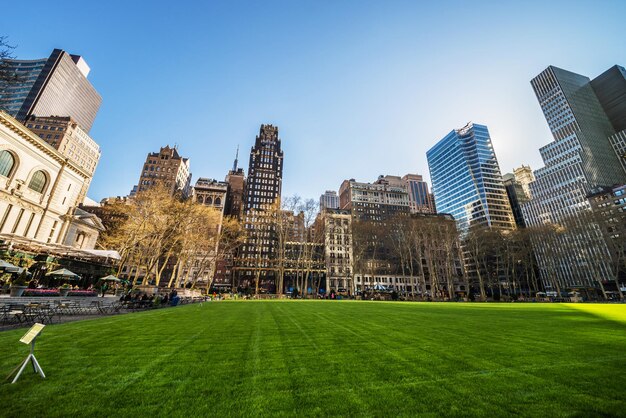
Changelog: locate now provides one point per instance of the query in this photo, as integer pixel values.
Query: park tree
(8, 77)
(155, 229)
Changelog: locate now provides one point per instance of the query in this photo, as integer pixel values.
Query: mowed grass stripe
(328, 358)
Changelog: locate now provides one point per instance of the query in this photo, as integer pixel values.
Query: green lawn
(327, 358)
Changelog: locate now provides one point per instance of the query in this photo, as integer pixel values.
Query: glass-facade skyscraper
(53, 86)
(466, 179)
(582, 115)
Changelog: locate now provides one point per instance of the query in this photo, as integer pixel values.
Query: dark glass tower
(53, 86)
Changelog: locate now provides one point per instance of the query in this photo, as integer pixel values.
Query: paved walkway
(57, 319)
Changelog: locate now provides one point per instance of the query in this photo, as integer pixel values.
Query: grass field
(327, 358)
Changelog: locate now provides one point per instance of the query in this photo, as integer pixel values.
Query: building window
(7, 161)
(38, 182)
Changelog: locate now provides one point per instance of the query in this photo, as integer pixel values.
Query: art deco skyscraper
(265, 172)
(53, 86)
(263, 188)
(466, 179)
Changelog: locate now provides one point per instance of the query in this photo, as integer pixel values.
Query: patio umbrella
(111, 278)
(8, 267)
(65, 273)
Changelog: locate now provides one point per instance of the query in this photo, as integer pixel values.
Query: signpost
(29, 338)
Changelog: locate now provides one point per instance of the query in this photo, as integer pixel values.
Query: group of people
(152, 300)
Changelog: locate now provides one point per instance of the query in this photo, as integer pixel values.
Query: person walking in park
(104, 289)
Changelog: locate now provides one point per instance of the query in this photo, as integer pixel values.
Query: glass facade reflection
(466, 179)
(53, 86)
(582, 116)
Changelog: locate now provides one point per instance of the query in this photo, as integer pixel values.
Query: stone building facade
(64, 134)
(166, 168)
(337, 224)
(40, 190)
(263, 191)
(376, 201)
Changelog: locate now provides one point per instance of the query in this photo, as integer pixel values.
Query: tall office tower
(53, 86)
(466, 179)
(582, 115)
(64, 134)
(236, 181)
(420, 200)
(517, 196)
(376, 201)
(265, 172)
(610, 88)
(263, 187)
(166, 168)
(329, 200)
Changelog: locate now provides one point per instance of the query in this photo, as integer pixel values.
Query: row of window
(38, 181)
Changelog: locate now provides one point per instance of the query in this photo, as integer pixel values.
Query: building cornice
(17, 127)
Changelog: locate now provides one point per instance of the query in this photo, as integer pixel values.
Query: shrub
(41, 292)
(83, 293)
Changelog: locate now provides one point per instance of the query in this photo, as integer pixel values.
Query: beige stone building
(64, 134)
(338, 246)
(40, 190)
(168, 168)
(524, 176)
(210, 192)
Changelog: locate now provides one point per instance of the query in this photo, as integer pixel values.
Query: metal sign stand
(30, 337)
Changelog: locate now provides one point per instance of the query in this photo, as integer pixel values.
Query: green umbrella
(111, 278)
(65, 273)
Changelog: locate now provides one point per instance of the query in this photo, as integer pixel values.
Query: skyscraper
(610, 88)
(420, 200)
(329, 200)
(53, 86)
(582, 115)
(466, 179)
(262, 196)
(236, 181)
(265, 172)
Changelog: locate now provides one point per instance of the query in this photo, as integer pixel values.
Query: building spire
(236, 158)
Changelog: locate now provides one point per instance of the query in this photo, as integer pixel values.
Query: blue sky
(357, 88)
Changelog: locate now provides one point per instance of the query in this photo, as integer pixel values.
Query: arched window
(209, 200)
(218, 201)
(200, 199)
(38, 182)
(7, 161)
